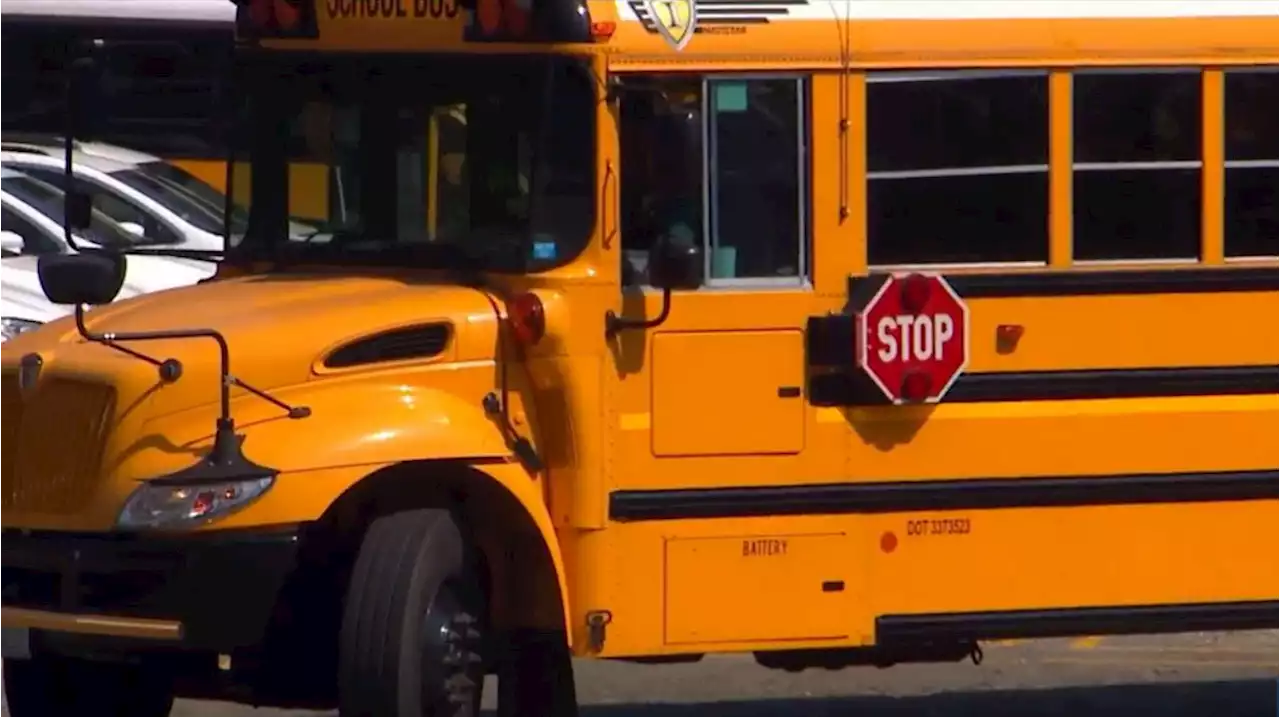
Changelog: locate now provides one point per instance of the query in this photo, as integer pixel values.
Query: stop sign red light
(912, 338)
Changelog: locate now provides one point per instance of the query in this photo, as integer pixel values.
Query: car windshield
(191, 209)
(487, 162)
(49, 201)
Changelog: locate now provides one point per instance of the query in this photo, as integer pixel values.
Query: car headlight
(177, 506)
(11, 326)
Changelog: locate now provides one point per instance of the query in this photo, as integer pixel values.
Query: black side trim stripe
(1093, 283)
(1115, 383)
(961, 494)
(1026, 624)
(848, 389)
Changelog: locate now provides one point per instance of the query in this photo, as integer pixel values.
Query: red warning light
(916, 386)
(528, 320)
(915, 292)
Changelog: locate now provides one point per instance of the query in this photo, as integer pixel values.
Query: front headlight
(179, 506)
(11, 326)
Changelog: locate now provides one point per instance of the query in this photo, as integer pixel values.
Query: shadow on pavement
(1236, 698)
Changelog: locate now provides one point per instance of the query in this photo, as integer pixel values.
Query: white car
(28, 229)
(169, 205)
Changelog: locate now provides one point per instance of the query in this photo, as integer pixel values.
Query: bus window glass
(1252, 162)
(751, 167)
(957, 167)
(1136, 164)
(492, 166)
(662, 167)
(757, 170)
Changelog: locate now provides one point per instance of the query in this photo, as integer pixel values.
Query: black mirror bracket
(170, 369)
(615, 324)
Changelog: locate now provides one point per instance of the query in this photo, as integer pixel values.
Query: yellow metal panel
(1074, 557)
(757, 587)
(719, 393)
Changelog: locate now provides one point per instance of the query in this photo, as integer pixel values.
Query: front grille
(53, 440)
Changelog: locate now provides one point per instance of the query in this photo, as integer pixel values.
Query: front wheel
(53, 686)
(413, 633)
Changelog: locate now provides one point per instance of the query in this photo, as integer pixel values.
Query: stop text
(906, 338)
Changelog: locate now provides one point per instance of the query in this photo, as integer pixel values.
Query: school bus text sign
(912, 338)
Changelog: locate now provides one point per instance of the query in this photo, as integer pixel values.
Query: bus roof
(729, 34)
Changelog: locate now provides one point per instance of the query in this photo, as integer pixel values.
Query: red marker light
(915, 293)
(489, 15)
(275, 15)
(916, 386)
(528, 320)
(603, 31)
(287, 14)
(261, 13)
(516, 14)
(888, 542)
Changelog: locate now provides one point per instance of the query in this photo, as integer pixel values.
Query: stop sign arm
(901, 339)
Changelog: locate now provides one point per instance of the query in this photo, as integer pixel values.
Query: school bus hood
(278, 329)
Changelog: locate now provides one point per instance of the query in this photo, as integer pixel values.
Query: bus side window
(751, 169)
(957, 167)
(662, 168)
(758, 164)
(1252, 162)
(1137, 164)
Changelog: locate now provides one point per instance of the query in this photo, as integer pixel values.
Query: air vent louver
(411, 342)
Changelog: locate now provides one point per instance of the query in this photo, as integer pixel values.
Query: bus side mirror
(671, 266)
(674, 266)
(89, 276)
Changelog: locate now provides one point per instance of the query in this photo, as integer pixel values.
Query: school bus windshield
(428, 162)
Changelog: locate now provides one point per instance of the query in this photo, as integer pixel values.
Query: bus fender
(351, 434)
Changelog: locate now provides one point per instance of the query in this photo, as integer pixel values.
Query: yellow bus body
(688, 505)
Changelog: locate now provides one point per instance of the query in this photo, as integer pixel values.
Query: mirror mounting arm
(170, 369)
(110, 340)
(615, 324)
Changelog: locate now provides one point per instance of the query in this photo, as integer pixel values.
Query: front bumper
(211, 591)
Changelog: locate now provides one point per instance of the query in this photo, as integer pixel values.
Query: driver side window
(721, 163)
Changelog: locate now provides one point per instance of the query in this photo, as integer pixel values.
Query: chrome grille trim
(54, 439)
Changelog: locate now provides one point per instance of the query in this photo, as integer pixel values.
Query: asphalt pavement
(1197, 675)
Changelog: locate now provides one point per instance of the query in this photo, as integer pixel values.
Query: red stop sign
(913, 338)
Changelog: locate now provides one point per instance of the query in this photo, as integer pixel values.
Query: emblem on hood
(29, 367)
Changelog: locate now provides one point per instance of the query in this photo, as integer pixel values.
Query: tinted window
(957, 167)
(758, 162)
(1250, 126)
(490, 162)
(662, 167)
(1137, 151)
(753, 169)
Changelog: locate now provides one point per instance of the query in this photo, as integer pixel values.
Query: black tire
(52, 686)
(413, 635)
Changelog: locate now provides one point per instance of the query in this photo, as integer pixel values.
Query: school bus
(579, 366)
